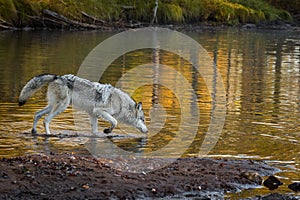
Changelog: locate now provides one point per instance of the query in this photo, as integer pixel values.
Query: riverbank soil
(67, 176)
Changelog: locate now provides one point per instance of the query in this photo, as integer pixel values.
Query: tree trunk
(155, 12)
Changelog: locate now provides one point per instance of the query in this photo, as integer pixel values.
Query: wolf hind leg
(62, 106)
(38, 116)
(107, 117)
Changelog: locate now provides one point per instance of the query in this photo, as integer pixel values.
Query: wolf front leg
(107, 117)
(94, 123)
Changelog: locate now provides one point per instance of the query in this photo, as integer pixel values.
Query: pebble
(72, 188)
(85, 186)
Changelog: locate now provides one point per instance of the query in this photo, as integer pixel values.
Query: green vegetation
(28, 12)
(292, 6)
(268, 12)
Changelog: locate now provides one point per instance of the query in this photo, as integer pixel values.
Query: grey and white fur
(98, 100)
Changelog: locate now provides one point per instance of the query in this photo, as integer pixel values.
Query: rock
(249, 26)
(295, 186)
(252, 176)
(272, 182)
(274, 25)
(276, 196)
(5, 175)
(86, 186)
(72, 188)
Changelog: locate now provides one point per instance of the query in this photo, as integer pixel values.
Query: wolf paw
(107, 130)
(33, 131)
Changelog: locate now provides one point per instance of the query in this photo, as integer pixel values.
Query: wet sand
(67, 176)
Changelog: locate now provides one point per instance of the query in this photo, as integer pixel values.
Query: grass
(292, 6)
(232, 12)
(269, 13)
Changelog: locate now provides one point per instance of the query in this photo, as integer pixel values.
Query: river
(260, 71)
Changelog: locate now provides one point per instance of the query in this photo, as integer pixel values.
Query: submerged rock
(249, 26)
(273, 196)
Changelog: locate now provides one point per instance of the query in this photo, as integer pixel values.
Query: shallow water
(260, 72)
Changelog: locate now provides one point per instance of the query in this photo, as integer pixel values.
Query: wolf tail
(33, 85)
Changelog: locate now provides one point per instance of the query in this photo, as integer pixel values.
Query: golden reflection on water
(260, 71)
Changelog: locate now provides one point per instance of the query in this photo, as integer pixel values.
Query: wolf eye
(142, 119)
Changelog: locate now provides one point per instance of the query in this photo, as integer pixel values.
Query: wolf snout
(144, 130)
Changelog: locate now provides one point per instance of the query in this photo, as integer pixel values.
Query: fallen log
(4, 25)
(48, 22)
(51, 19)
(55, 18)
(92, 19)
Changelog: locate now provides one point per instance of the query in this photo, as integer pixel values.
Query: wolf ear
(139, 106)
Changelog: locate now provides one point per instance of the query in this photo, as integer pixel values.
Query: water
(260, 72)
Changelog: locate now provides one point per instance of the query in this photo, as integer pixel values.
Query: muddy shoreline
(199, 27)
(67, 176)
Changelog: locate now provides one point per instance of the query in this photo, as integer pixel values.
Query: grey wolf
(98, 100)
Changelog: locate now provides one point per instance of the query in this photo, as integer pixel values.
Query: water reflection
(260, 72)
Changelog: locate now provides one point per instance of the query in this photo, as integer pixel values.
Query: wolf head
(139, 121)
